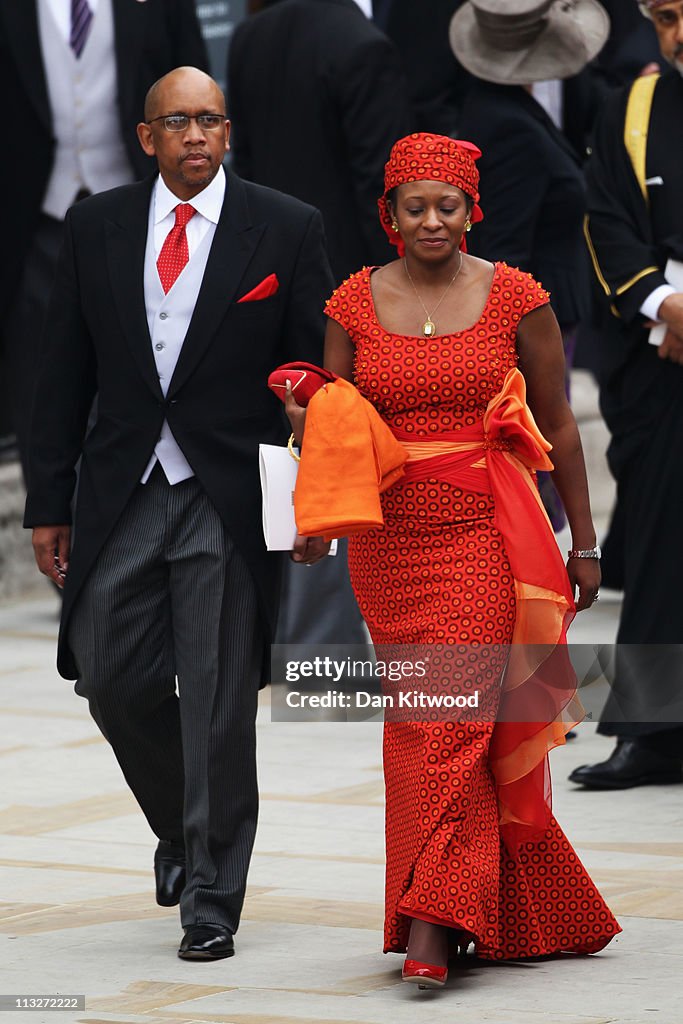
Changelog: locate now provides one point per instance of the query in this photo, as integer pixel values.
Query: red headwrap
(426, 157)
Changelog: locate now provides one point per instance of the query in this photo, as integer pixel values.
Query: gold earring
(394, 225)
(468, 225)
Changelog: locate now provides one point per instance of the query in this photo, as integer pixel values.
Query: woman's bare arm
(339, 351)
(338, 358)
(541, 360)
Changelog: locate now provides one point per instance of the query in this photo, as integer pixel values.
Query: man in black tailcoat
(635, 227)
(174, 299)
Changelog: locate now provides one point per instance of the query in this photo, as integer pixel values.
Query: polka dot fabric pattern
(175, 251)
(426, 157)
(438, 573)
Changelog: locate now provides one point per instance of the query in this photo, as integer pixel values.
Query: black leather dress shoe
(630, 764)
(206, 942)
(169, 872)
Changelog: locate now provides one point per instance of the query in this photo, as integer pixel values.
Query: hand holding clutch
(305, 379)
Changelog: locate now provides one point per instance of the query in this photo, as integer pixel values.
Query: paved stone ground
(78, 914)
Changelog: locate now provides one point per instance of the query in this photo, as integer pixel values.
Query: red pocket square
(268, 286)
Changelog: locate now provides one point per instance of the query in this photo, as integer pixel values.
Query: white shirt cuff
(650, 308)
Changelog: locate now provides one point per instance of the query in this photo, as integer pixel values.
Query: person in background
(635, 231)
(77, 72)
(530, 171)
(319, 125)
(437, 83)
(173, 298)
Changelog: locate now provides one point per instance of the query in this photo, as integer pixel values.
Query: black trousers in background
(169, 597)
(318, 605)
(646, 699)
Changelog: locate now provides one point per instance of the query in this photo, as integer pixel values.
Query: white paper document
(278, 472)
(673, 272)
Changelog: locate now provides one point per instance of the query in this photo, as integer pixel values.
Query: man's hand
(52, 546)
(671, 348)
(309, 549)
(671, 312)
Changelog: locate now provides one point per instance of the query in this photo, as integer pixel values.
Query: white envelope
(278, 471)
(673, 272)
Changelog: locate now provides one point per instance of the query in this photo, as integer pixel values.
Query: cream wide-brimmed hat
(515, 42)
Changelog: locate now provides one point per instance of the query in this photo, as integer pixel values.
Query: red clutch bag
(305, 379)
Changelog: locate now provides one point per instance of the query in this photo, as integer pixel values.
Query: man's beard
(210, 175)
(676, 60)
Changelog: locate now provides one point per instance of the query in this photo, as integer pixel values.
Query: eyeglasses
(181, 122)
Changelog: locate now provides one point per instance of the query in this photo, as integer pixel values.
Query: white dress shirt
(208, 205)
(549, 94)
(650, 308)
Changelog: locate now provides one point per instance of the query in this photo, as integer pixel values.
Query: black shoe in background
(630, 764)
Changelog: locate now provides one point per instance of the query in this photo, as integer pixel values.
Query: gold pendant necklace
(429, 327)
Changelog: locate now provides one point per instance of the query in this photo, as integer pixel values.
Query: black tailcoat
(218, 405)
(632, 236)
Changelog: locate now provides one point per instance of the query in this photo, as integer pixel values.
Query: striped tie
(81, 19)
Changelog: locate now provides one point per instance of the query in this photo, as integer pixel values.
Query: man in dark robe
(635, 232)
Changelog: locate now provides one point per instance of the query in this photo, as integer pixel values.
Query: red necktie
(174, 252)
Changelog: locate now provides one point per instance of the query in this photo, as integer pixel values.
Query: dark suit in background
(533, 195)
(150, 39)
(437, 83)
(635, 226)
(317, 99)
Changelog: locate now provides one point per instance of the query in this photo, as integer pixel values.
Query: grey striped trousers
(170, 596)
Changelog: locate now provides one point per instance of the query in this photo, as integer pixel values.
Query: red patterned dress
(438, 573)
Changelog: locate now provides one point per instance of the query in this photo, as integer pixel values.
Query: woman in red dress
(445, 346)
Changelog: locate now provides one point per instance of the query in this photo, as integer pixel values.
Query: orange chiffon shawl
(349, 457)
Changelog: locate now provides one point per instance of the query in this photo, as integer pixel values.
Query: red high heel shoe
(424, 975)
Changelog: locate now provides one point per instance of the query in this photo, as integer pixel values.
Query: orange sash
(496, 457)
